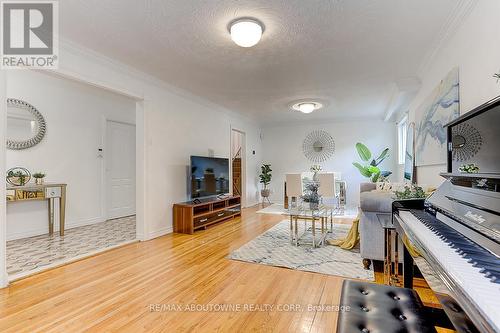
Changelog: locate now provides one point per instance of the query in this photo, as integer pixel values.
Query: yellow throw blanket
(352, 238)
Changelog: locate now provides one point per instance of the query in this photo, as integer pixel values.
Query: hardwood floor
(129, 289)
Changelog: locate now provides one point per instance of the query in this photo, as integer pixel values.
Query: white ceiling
(348, 54)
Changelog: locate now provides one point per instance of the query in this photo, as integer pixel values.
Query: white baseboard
(45, 230)
(251, 204)
(160, 232)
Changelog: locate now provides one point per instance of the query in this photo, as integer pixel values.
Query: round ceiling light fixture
(246, 32)
(307, 107)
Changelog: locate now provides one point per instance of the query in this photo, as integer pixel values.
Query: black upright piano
(454, 236)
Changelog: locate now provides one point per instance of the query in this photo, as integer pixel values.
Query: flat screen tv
(209, 176)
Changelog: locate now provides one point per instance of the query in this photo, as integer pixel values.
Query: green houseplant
(410, 192)
(39, 176)
(369, 168)
(265, 178)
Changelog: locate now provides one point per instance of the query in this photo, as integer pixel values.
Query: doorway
(238, 163)
(66, 208)
(120, 163)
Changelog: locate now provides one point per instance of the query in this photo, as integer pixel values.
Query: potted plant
(265, 178)
(371, 170)
(39, 176)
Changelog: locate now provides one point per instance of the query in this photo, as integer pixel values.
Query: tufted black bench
(375, 308)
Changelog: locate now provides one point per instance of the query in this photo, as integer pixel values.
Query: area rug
(273, 248)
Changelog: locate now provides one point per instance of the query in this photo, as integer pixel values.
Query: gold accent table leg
(62, 210)
(51, 216)
(387, 259)
(396, 260)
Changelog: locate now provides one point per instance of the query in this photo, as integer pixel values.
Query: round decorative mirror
(25, 125)
(318, 146)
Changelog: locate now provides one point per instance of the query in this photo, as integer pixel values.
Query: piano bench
(374, 308)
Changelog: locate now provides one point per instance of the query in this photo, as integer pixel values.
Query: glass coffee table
(320, 217)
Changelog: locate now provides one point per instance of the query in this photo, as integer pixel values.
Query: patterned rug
(29, 255)
(273, 248)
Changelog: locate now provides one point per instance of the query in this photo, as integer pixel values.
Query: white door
(119, 157)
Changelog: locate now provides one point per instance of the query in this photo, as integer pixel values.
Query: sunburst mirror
(318, 146)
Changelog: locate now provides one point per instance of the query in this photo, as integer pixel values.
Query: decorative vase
(39, 181)
(316, 177)
(265, 192)
(313, 205)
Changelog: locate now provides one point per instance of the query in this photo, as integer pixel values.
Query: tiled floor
(28, 255)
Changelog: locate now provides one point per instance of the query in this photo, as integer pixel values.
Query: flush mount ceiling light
(246, 32)
(307, 107)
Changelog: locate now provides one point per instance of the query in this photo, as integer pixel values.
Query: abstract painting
(441, 107)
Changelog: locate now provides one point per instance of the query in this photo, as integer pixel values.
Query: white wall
(178, 128)
(283, 150)
(474, 48)
(75, 115)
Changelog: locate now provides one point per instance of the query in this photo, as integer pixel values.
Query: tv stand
(191, 216)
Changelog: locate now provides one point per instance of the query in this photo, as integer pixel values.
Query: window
(402, 128)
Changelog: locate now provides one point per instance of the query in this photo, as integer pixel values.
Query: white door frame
(142, 229)
(243, 164)
(104, 187)
(3, 153)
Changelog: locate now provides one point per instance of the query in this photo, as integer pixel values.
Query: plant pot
(39, 181)
(265, 192)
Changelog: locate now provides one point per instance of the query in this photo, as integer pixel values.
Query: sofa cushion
(376, 201)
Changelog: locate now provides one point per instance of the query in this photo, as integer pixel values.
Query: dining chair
(294, 188)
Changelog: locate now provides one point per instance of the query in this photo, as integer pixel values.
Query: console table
(49, 192)
(192, 215)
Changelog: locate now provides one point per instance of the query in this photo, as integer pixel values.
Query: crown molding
(457, 16)
(141, 78)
